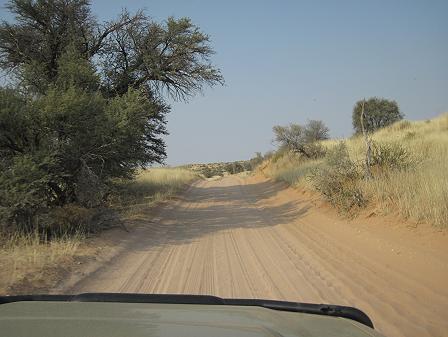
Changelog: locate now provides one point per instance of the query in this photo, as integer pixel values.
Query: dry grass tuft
(27, 256)
(30, 261)
(150, 187)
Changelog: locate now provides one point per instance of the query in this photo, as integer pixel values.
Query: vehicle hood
(90, 319)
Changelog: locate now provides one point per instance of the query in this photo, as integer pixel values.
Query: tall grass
(292, 169)
(420, 193)
(152, 185)
(26, 258)
(134, 198)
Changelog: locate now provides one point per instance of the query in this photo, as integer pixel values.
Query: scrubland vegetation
(409, 165)
(149, 187)
(83, 112)
(83, 108)
(210, 170)
(30, 257)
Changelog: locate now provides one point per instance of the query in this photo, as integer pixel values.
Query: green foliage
(75, 71)
(131, 51)
(24, 189)
(77, 141)
(88, 107)
(338, 180)
(219, 169)
(302, 139)
(68, 220)
(171, 58)
(42, 32)
(378, 113)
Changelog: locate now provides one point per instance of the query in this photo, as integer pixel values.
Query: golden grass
(26, 255)
(420, 194)
(291, 169)
(27, 259)
(152, 186)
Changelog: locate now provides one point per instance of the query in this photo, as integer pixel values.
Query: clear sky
(289, 61)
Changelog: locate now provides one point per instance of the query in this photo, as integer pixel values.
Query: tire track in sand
(244, 238)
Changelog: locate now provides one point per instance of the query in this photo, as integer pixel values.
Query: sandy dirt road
(251, 238)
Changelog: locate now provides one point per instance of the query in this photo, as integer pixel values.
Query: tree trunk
(368, 174)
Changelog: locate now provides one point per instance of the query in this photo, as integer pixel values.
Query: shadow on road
(208, 209)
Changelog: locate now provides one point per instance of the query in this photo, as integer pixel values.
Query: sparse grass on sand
(151, 186)
(28, 259)
(420, 194)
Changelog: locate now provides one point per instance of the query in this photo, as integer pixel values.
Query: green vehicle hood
(90, 319)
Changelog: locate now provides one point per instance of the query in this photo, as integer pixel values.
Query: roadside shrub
(24, 192)
(69, 220)
(315, 150)
(337, 180)
(390, 156)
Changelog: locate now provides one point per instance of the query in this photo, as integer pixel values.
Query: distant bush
(338, 180)
(302, 139)
(378, 113)
(255, 161)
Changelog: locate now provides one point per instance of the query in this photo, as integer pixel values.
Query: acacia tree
(302, 139)
(89, 99)
(378, 113)
(131, 51)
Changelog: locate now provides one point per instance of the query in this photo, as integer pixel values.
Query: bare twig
(368, 143)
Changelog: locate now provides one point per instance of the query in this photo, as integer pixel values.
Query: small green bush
(387, 157)
(337, 180)
(68, 220)
(315, 150)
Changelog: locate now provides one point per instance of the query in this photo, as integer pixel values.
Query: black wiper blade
(307, 308)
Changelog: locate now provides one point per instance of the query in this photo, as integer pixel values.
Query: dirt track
(249, 237)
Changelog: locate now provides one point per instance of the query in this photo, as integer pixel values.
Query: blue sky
(289, 61)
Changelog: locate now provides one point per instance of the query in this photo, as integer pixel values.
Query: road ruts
(251, 238)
